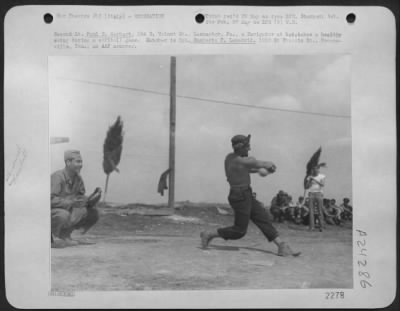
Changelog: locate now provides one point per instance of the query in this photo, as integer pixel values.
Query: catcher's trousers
(63, 222)
(247, 208)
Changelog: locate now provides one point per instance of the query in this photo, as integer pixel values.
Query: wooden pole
(172, 124)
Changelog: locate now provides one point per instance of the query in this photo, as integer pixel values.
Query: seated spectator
(284, 205)
(300, 202)
(274, 209)
(333, 212)
(303, 213)
(329, 212)
(338, 212)
(278, 204)
(347, 209)
(290, 209)
(297, 209)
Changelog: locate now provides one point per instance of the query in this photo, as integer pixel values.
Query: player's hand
(79, 202)
(94, 198)
(272, 168)
(263, 172)
(68, 203)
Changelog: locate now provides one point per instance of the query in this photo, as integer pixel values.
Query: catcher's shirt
(63, 187)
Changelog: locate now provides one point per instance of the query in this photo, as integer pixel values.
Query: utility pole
(172, 124)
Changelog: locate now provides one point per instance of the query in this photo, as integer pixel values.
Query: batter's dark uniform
(246, 208)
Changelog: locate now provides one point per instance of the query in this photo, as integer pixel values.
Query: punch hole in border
(199, 18)
(351, 18)
(48, 18)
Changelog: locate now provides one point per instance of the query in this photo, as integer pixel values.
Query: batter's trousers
(247, 208)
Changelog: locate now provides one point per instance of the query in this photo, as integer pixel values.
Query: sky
(87, 93)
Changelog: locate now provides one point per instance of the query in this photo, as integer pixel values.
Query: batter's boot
(284, 250)
(206, 237)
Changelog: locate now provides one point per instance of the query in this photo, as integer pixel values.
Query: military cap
(239, 141)
(70, 154)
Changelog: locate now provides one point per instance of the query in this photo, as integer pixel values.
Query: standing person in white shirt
(314, 184)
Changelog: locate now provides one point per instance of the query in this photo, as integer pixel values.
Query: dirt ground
(138, 249)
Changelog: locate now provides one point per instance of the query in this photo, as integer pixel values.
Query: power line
(265, 108)
(209, 100)
(117, 86)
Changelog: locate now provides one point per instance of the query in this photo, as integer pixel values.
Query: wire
(209, 100)
(265, 108)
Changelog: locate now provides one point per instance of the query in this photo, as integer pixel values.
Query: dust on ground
(143, 247)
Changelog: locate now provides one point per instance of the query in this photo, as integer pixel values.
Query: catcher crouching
(70, 208)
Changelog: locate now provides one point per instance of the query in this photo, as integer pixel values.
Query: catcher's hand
(94, 197)
(80, 201)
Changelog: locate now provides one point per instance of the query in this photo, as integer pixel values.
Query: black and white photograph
(206, 157)
(200, 172)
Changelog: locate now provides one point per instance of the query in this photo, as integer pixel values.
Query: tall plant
(112, 150)
(313, 162)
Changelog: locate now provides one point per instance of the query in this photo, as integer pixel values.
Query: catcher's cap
(70, 154)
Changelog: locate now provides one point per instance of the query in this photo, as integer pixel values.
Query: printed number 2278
(334, 295)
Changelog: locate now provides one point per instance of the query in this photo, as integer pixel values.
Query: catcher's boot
(284, 250)
(69, 242)
(205, 239)
(58, 243)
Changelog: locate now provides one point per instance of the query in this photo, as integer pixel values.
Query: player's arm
(307, 183)
(56, 200)
(81, 187)
(319, 182)
(253, 165)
